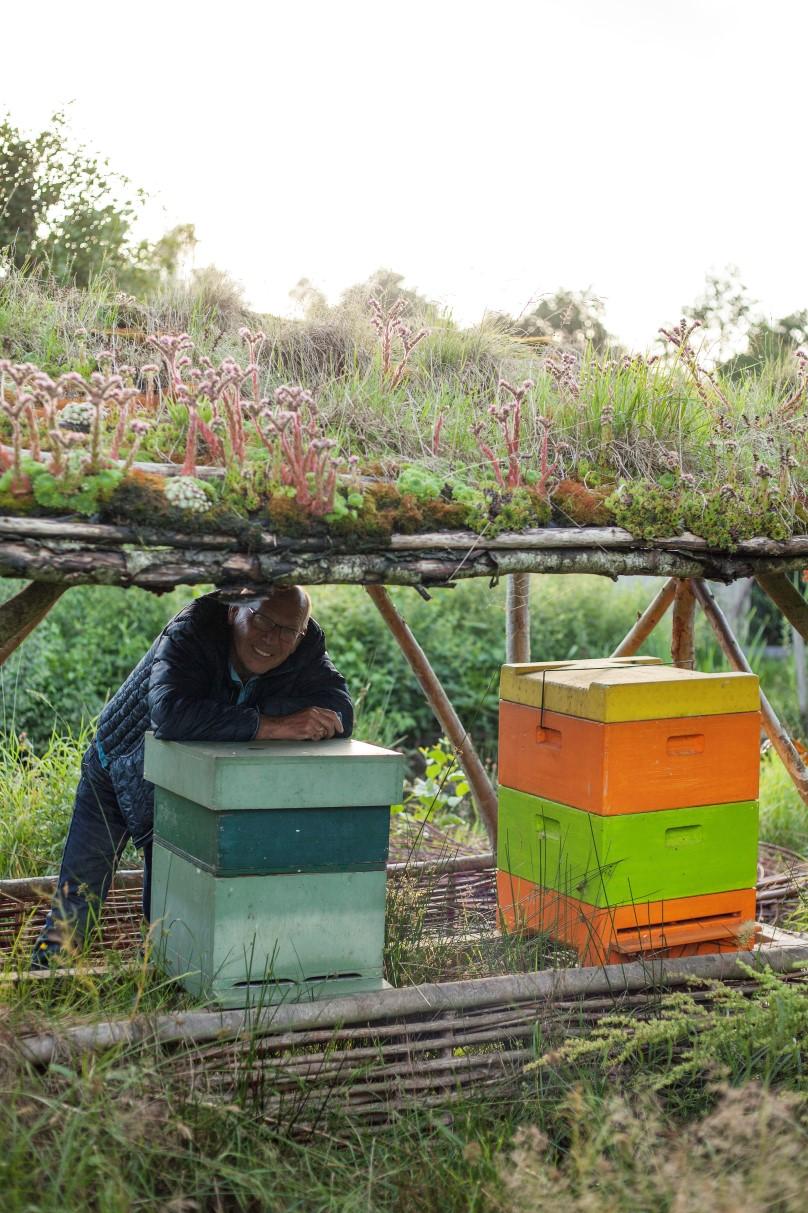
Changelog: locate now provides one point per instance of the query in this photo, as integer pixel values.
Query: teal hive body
(629, 858)
(270, 864)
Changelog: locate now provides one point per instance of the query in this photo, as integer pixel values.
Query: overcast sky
(490, 153)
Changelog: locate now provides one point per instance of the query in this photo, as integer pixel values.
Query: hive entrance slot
(292, 981)
(658, 924)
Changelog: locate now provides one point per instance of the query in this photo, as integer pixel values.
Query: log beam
(20, 615)
(683, 638)
(648, 620)
(547, 987)
(517, 618)
(162, 568)
(774, 729)
(788, 600)
(481, 787)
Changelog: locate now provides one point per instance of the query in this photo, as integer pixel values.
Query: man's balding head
(289, 598)
(267, 630)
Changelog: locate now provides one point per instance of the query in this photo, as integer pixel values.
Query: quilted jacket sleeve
(318, 685)
(182, 702)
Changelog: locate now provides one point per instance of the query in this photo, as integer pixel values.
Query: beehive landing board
(633, 857)
(276, 774)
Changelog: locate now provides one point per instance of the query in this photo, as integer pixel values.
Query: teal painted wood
(274, 937)
(631, 857)
(276, 774)
(262, 841)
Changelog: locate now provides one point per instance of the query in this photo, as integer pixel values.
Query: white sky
(490, 153)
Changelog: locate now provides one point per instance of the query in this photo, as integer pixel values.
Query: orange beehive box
(682, 926)
(632, 766)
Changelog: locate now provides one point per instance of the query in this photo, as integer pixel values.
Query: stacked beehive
(628, 808)
(269, 866)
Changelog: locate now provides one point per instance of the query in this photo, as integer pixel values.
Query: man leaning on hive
(254, 670)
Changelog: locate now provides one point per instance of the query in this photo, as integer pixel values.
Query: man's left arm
(319, 685)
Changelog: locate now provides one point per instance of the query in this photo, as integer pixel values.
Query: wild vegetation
(373, 416)
(367, 421)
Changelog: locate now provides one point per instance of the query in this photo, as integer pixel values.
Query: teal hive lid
(276, 774)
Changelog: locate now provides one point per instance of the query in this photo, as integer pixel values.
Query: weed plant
(509, 436)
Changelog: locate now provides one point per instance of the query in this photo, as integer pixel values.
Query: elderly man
(257, 669)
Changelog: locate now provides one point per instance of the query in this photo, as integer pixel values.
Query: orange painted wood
(682, 926)
(634, 766)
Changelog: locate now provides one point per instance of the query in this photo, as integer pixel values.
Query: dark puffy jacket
(183, 690)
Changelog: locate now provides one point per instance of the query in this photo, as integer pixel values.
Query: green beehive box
(270, 865)
(255, 842)
(631, 857)
(276, 774)
(255, 940)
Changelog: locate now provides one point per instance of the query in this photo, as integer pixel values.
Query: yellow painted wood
(611, 692)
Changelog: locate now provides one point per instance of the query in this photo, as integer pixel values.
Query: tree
(565, 317)
(65, 209)
(387, 286)
(736, 334)
(724, 309)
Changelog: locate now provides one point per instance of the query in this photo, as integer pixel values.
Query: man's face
(266, 632)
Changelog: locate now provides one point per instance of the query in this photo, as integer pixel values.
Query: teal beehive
(269, 865)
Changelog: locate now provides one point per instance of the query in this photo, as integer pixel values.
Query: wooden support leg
(648, 620)
(774, 730)
(481, 787)
(20, 615)
(683, 643)
(787, 598)
(517, 623)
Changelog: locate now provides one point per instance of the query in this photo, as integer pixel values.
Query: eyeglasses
(265, 625)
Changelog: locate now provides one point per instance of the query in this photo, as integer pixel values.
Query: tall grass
(611, 1121)
(36, 794)
(654, 411)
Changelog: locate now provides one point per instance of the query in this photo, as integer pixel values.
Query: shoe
(45, 952)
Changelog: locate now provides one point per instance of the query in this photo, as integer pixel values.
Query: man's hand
(310, 724)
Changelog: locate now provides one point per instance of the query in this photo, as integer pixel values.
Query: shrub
(62, 675)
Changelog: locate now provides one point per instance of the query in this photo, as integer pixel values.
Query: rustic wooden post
(481, 787)
(774, 730)
(20, 615)
(787, 598)
(801, 676)
(517, 618)
(648, 620)
(683, 642)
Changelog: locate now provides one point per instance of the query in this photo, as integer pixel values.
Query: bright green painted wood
(262, 841)
(283, 935)
(276, 774)
(632, 857)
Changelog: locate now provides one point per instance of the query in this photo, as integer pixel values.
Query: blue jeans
(95, 842)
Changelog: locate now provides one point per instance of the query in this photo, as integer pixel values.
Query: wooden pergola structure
(54, 554)
(369, 1057)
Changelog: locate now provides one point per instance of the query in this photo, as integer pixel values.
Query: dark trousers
(95, 843)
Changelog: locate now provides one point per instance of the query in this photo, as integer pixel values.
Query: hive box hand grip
(685, 745)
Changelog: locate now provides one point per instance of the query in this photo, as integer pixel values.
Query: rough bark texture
(647, 621)
(77, 561)
(683, 641)
(20, 615)
(481, 787)
(774, 730)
